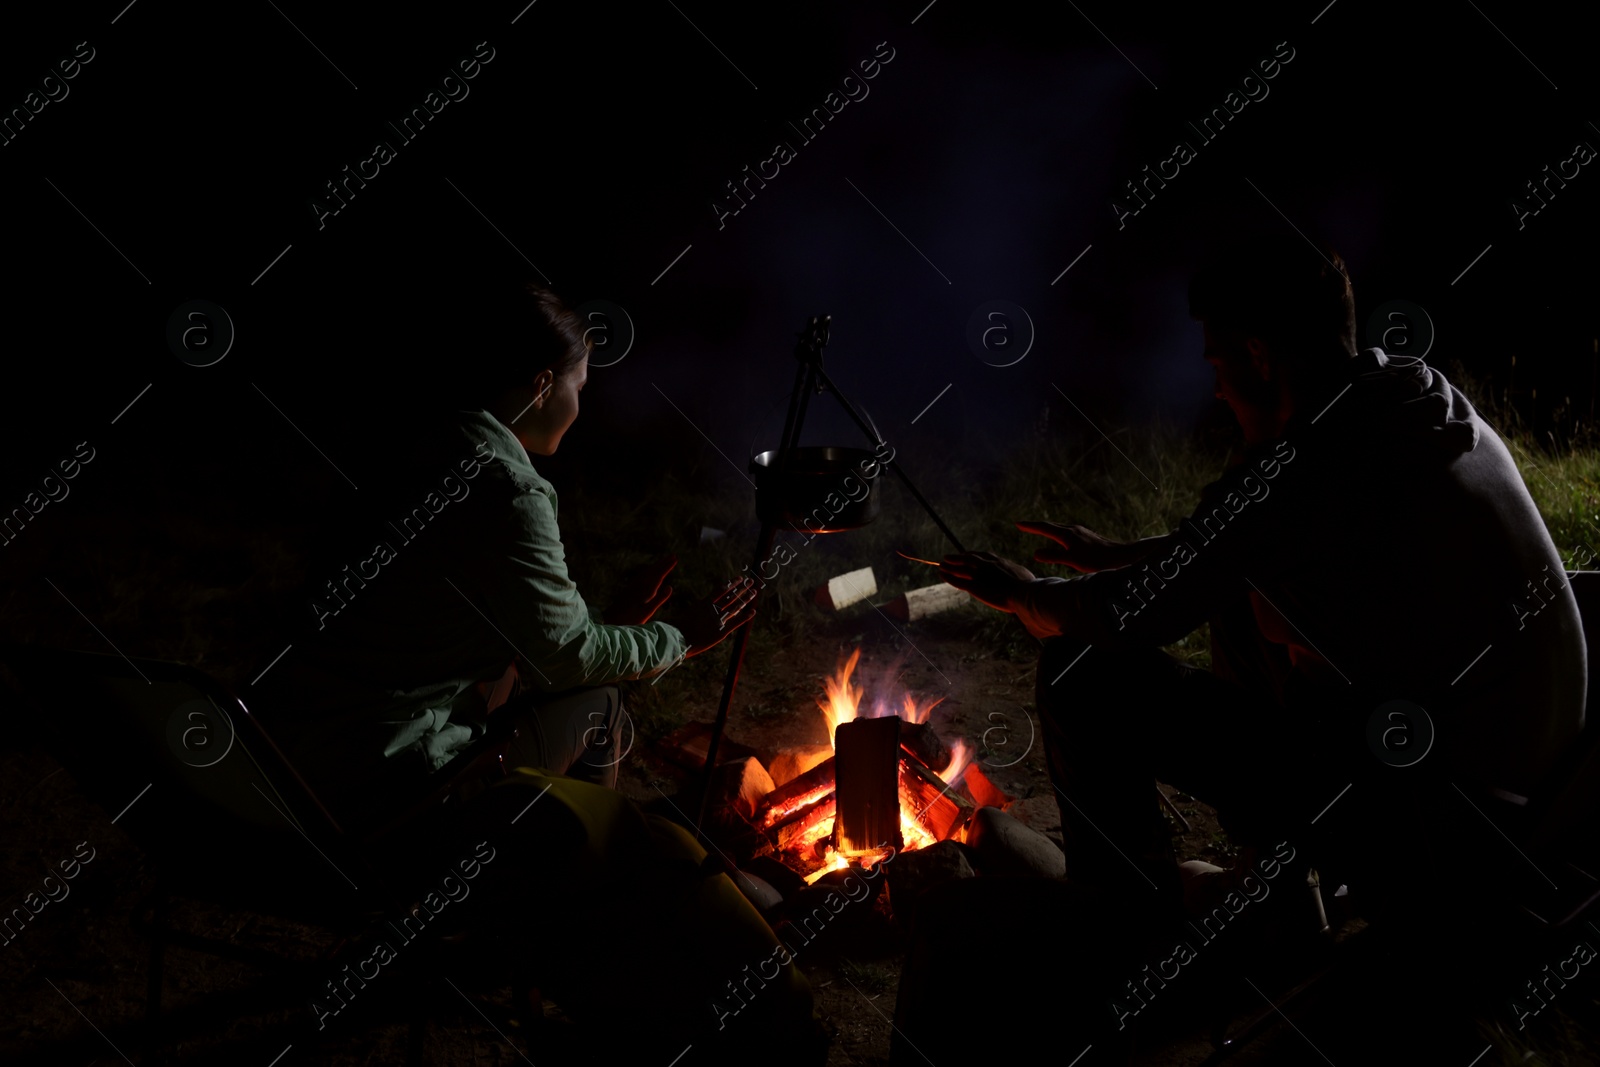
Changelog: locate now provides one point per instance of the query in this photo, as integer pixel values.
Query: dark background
(596, 141)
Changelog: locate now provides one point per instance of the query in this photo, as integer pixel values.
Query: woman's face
(553, 411)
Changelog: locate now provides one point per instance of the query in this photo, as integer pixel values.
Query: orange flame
(844, 705)
(843, 698)
(960, 757)
(916, 713)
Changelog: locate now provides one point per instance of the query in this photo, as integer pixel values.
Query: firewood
(938, 807)
(784, 802)
(918, 604)
(842, 590)
(923, 741)
(741, 785)
(867, 787)
(798, 832)
(792, 762)
(984, 792)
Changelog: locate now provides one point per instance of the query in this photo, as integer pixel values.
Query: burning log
(794, 795)
(920, 603)
(842, 590)
(814, 824)
(867, 753)
(942, 810)
(790, 763)
(985, 794)
(922, 741)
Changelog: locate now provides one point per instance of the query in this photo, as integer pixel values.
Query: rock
(791, 763)
(776, 874)
(756, 889)
(911, 874)
(838, 907)
(1004, 846)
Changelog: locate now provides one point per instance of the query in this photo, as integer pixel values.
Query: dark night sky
(598, 137)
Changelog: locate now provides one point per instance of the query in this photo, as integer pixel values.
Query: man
(1373, 543)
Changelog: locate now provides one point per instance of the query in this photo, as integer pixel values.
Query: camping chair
(186, 769)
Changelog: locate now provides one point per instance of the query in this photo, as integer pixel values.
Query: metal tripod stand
(809, 378)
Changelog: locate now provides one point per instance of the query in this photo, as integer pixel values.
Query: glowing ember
(779, 812)
(913, 834)
(836, 863)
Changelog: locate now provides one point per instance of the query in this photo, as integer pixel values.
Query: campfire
(886, 781)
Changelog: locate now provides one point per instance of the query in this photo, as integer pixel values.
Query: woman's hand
(642, 594)
(706, 623)
(986, 576)
(1081, 548)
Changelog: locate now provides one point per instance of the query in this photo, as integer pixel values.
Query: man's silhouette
(1372, 543)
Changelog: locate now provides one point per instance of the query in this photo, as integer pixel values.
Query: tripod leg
(730, 683)
(872, 435)
(934, 515)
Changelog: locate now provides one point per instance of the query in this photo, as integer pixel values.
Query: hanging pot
(817, 489)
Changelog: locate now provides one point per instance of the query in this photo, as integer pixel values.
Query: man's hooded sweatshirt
(1388, 544)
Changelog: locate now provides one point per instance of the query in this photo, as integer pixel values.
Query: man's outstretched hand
(643, 592)
(986, 576)
(1081, 548)
(706, 623)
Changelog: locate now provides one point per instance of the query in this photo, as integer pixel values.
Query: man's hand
(706, 623)
(642, 594)
(986, 576)
(1081, 548)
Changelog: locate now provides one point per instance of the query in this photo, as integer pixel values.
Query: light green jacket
(468, 574)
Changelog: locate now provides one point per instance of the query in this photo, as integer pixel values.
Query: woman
(454, 596)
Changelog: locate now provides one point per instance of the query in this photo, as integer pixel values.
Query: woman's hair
(470, 338)
(511, 333)
(564, 342)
